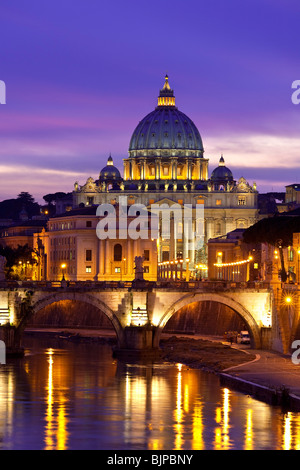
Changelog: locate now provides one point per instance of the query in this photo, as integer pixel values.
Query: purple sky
(81, 74)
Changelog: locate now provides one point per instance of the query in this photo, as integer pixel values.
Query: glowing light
(236, 263)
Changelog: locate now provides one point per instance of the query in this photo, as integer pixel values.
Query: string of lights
(236, 263)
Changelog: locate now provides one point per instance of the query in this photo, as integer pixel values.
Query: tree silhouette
(277, 231)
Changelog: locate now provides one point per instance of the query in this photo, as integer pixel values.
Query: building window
(88, 223)
(90, 201)
(88, 269)
(166, 170)
(218, 202)
(146, 255)
(146, 269)
(118, 252)
(88, 255)
(242, 201)
(117, 270)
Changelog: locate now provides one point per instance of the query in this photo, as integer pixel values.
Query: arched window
(118, 252)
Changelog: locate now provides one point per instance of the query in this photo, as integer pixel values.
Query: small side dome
(221, 173)
(110, 172)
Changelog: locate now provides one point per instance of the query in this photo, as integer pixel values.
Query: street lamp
(63, 267)
(187, 276)
(122, 266)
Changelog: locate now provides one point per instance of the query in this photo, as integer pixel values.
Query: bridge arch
(224, 299)
(81, 297)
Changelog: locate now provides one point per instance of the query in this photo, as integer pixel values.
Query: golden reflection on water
(161, 409)
(56, 435)
(249, 430)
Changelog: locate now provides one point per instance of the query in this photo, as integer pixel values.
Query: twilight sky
(81, 74)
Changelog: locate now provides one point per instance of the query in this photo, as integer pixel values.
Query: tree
(26, 198)
(15, 257)
(52, 197)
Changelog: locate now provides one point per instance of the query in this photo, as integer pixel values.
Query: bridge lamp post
(63, 267)
(187, 276)
(288, 301)
(123, 267)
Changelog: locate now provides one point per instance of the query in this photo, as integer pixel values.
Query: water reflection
(79, 397)
(56, 435)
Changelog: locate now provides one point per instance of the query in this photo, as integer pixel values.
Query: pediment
(165, 200)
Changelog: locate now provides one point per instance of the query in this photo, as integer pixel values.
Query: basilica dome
(166, 131)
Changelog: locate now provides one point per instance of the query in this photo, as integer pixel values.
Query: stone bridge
(139, 310)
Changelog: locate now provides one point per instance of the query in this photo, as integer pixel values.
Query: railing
(167, 284)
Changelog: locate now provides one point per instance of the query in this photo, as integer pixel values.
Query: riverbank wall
(275, 396)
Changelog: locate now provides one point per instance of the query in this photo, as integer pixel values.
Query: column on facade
(102, 257)
(209, 228)
(107, 264)
(229, 224)
(143, 169)
(157, 168)
(172, 238)
(188, 163)
(198, 166)
(130, 264)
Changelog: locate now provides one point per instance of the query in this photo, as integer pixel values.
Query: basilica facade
(166, 166)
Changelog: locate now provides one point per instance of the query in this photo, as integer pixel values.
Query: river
(73, 396)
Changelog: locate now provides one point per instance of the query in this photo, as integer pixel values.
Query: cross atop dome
(166, 95)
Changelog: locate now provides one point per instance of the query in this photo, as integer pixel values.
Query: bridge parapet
(143, 285)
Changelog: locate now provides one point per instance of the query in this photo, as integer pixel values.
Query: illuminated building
(71, 249)
(166, 165)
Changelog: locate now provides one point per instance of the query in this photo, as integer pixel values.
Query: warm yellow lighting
(63, 266)
(288, 300)
(236, 263)
(220, 253)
